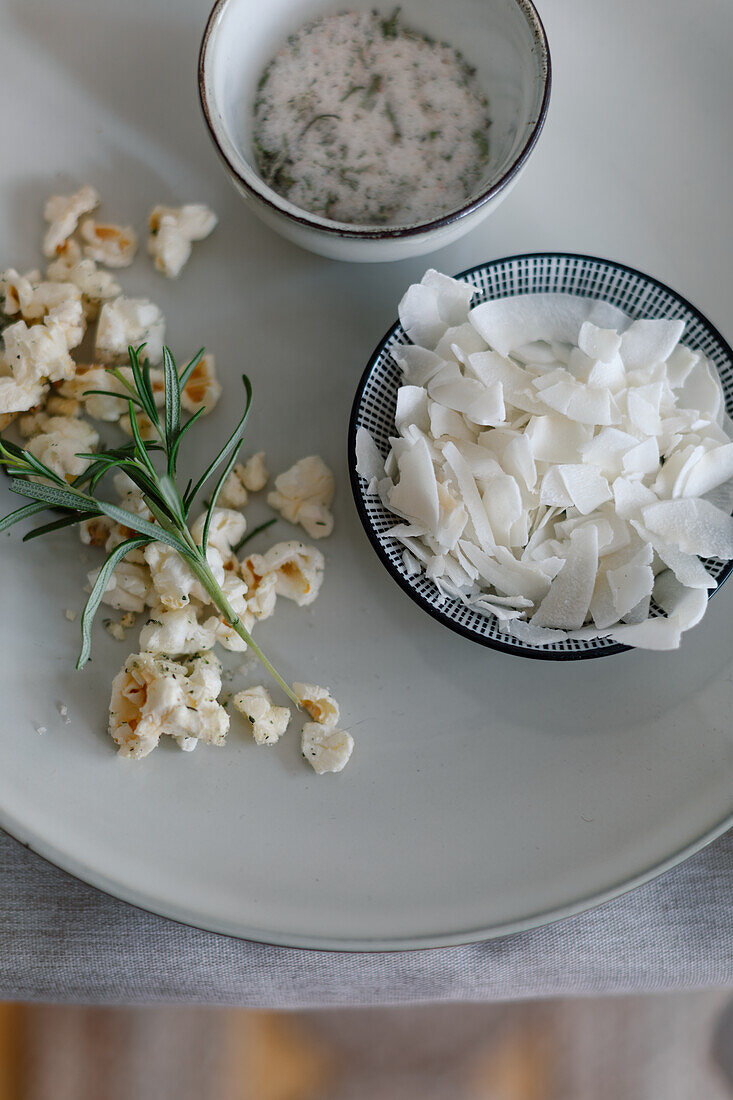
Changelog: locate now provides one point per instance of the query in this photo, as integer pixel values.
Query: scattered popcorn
(153, 696)
(129, 321)
(326, 749)
(202, 390)
(225, 530)
(298, 571)
(128, 589)
(96, 286)
(68, 316)
(268, 721)
(235, 591)
(319, 703)
(63, 213)
(174, 633)
(548, 462)
(16, 291)
(303, 494)
(173, 581)
(95, 531)
(172, 685)
(172, 231)
(16, 397)
(261, 593)
(62, 406)
(93, 377)
(254, 473)
(36, 354)
(245, 478)
(60, 443)
(233, 493)
(112, 245)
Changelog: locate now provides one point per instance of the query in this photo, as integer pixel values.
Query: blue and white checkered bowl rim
(638, 294)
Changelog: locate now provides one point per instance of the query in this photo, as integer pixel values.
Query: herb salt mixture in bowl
(364, 120)
(369, 134)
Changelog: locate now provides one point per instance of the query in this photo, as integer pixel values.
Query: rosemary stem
(201, 570)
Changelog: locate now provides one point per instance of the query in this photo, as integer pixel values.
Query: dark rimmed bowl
(503, 39)
(374, 405)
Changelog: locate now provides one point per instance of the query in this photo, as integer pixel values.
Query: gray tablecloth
(63, 941)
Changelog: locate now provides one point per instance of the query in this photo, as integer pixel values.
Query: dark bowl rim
(435, 612)
(369, 233)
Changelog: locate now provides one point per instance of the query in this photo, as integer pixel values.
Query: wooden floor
(666, 1048)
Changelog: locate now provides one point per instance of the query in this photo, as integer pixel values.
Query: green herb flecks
(390, 25)
(373, 90)
(251, 534)
(481, 141)
(152, 466)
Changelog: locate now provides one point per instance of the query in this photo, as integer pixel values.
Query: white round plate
(486, 793)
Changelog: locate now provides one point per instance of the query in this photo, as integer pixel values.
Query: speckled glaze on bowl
(376, 397)
(503, 39)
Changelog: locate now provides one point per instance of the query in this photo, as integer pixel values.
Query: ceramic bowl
(503, 39)
(376, 398)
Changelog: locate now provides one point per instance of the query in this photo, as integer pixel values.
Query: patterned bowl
(376, 396)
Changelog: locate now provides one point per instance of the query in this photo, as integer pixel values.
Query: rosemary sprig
(151, 465)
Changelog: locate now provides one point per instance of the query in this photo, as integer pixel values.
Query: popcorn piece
(172, 231)
(233, 493)
(174, 633)
(319, 703)
(6, 419)
(129, 321)
(16, 291)
(93, 377)
(173, 581)
(261, 589)
(128, 589)
(63, 213)
(61, 442)
(68, 316)
(304, 493)
(225, 530)
(253, 474)
(244, 479)
(33, 423)
(115, 630)
(95, 286)
(326, 749)
(17, 397)
(298, 571)
(153, 696)
(235, 590)
(95, 531)
(36, 354)
(112, 245)
(268, 721)
(202, 390)
(144, 425)
(62, 406)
